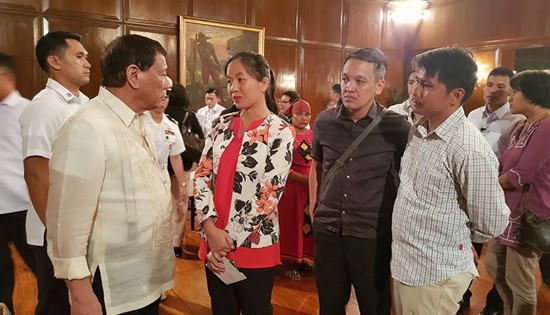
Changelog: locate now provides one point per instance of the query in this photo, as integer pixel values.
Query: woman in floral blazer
(238, 183)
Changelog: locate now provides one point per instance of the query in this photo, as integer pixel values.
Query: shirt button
(346, 195)
(347, 176)
(350, 159)
(344, 212)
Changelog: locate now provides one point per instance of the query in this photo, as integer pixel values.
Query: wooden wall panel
(283, 59)
(227, 10)
(508, 57)
(18, 34)
(95, 37)
(25, 5)
(168, 40)
(166, 11)
(322, 67)
(321, 21)
(474, 23)
(280, 23)
(101, 9)
(364, 26)
(394, 80)
(305, 39)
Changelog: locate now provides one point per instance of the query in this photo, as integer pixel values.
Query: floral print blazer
(260, 177)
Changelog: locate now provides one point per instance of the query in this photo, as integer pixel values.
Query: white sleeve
(77, 168)
(39, 125)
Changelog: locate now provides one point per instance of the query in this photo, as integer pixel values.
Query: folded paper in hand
(231, 273)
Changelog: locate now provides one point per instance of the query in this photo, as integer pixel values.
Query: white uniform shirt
(166, 137)
(496, 126)
(404, 109)
(13, 190)
(40, 122)
(206, 117)
(109, 206)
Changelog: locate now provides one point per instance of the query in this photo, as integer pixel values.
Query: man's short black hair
(535, 86)
(53, 43)
(371, 55)
(178, 96)
(501, 72)
(337, 88)
(213, 90)
(454, 66)
(127, 50)
(7, 62)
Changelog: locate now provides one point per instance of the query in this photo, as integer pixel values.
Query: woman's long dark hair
(257, 66)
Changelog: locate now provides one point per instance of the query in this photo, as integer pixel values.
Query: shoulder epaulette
(172, 119)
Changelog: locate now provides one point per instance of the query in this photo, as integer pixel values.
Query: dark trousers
(342, 261)
(251, 296)
(493, 300)
(97, 286)
(12, 230)
(53, 296)
(544, 265)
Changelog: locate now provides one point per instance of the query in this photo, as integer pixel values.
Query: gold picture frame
(205, 47)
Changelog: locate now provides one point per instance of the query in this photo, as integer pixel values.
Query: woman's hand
(219, 242)
(215, 263)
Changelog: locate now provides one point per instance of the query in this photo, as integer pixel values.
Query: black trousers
(544, 265)
(251, 296)
(53, 296)
(493, 301)
(342, 261)
(12, 230)
(97, 286)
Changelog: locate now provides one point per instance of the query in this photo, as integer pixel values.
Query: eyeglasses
(302, 114)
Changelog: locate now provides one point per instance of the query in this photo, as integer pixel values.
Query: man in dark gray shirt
(352, 217)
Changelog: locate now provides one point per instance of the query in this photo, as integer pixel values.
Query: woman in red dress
(295, 223)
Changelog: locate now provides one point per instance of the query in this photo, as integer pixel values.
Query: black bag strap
(525, 196)
(340, 161)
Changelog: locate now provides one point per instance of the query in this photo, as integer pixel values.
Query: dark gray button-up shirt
(359, 197)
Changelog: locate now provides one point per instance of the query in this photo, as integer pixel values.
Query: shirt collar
(499, 113)
(120, 108)
(407, 106)
(445, 131)
(65, 93)
(342, 111)
(11, 99)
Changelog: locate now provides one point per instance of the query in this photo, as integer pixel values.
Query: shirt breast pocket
(435, 187)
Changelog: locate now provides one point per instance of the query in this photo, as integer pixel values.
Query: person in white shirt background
(14, 199)
(64, 59)
(109, 219)
(166, 135)
(211, 111)
(405, 107)
(495, 121)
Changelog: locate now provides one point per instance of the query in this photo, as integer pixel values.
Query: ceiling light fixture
(407, 11)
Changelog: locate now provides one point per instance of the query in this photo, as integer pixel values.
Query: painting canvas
(205, 48)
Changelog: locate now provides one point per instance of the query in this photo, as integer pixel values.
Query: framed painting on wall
(205, 48)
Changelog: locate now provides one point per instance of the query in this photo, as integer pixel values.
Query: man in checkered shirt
(449, 193)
